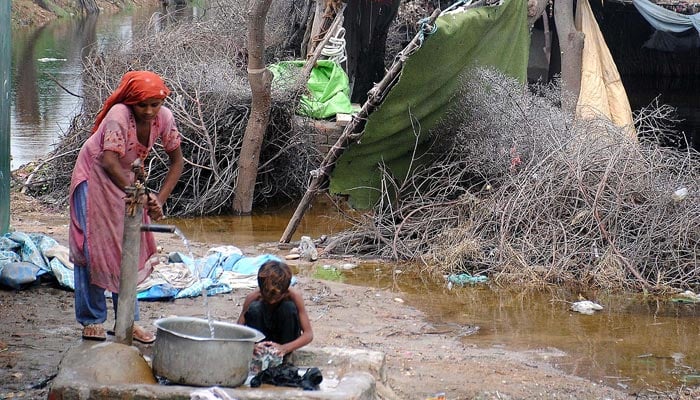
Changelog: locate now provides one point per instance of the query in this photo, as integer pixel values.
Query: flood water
(261, 227)
(46, 75)
(633, 344)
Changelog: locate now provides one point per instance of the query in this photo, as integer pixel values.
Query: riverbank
(28, 13)
(421, 359)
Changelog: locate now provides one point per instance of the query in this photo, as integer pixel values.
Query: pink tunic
(105, 201)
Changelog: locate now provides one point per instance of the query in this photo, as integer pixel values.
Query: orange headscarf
(135, 86)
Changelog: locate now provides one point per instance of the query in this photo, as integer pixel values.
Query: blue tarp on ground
(26, 258)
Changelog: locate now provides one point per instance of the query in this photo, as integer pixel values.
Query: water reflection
(633, 344)
(47, 58)
(263, 226)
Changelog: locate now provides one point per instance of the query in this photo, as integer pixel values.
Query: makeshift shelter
(666, 20)
(602, 92)
(657, 64)
(495, 36)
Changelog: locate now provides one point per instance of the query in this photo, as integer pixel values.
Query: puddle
(631, 344)
(262, 226)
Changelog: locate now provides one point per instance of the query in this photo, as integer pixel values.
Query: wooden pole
(311, 62)
(352, 131)
(128, 276)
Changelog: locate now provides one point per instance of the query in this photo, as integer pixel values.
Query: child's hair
(274, 278)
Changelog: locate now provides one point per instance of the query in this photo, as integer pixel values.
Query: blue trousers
(90, 301)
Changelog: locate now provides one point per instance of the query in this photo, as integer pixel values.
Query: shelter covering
(495, 36)
(673, 43)
(328, 87)
(666, 20)
(602, 92)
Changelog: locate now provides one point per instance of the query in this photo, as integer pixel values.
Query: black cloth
(279, 324)
(288, 375)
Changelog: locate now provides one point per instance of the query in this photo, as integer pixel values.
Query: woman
(126, 128)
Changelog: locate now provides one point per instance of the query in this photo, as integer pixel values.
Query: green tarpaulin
(328, 87)
(496, 36)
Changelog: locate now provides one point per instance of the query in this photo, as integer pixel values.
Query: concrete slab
(109, 370)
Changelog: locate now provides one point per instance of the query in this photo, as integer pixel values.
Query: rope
(425, 29)
(254, 71)
(456, 4)
(335, 48)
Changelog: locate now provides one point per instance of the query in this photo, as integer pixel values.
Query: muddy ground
(38, 326)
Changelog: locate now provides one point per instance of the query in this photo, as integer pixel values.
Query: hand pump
(131, 247)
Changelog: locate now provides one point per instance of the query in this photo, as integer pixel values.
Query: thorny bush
(203, 61)
(520, 191)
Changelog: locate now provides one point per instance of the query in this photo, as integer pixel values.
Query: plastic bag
(329, 90)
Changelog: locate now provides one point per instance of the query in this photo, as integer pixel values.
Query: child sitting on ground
(277, 311)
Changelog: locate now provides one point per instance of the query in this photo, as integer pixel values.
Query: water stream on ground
(634, 343)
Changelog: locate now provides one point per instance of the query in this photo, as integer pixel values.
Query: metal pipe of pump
(158, 228)
(131, 248)
(128, 277)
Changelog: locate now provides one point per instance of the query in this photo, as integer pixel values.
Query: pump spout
(158, 228)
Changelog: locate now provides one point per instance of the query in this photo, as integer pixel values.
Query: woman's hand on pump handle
(155, 208)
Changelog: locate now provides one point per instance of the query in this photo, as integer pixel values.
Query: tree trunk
(260, 80)
(571, 47)
(89, 6)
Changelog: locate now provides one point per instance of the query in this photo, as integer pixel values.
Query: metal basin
(185, 353)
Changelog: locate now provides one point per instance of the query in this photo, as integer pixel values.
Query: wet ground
(469, 343)
(634, 343)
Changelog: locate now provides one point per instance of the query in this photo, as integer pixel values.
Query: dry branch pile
(523, 194)
(203, 61)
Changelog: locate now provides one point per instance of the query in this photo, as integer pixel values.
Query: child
(126, 128)
(277, 311)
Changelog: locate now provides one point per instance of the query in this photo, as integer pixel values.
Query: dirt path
(38, 326)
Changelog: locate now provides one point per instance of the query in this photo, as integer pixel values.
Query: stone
(105, 363)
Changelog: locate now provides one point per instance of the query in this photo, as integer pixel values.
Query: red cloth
(135, 86)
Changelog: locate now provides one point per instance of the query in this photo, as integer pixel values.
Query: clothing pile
(288, 375)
